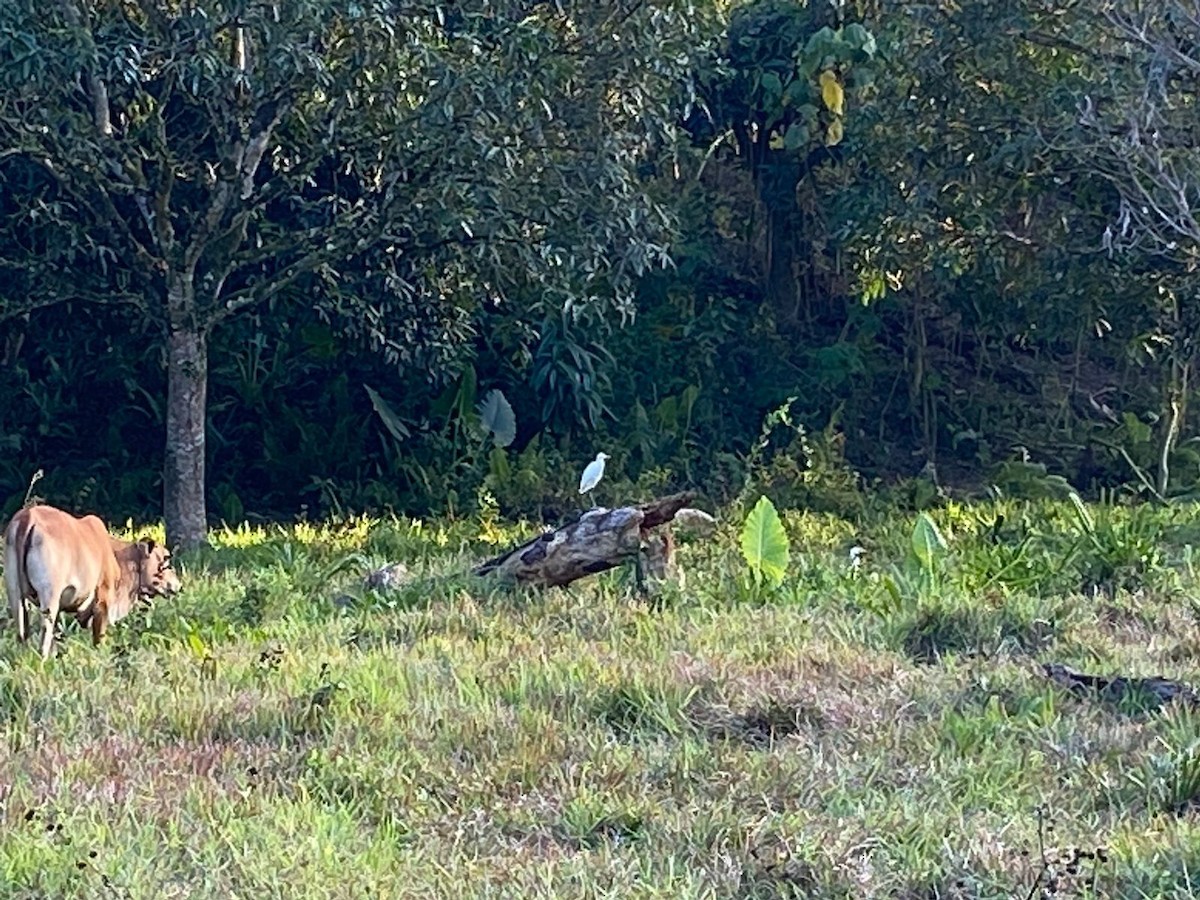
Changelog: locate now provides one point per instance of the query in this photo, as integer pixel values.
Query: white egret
(593, 473)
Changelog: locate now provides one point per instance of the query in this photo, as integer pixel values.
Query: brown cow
(73, 565)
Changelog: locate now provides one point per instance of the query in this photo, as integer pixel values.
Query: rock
(696, 521)
(388, 578)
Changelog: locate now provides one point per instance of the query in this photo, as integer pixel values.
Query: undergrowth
(878, 730)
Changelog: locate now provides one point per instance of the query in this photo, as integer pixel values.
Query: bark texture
(184, 506)
(598, 540)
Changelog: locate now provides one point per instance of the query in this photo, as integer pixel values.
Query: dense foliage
(956, 234)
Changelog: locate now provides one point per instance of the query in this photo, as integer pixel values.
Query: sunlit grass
(280, 729)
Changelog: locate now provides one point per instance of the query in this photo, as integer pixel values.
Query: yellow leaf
(831, 92)
(834, 135)
(776, 142)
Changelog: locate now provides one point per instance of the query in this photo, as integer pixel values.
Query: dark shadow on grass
(1129, 695)
(760, 726)
(937, 631)
(592, 831)
(631, 710)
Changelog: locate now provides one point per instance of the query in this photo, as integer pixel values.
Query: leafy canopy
(401, 163)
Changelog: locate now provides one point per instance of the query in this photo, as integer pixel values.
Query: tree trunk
(599, 540)
(778, 194)
(183, 475)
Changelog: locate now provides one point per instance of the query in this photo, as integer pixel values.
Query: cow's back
(62, 555)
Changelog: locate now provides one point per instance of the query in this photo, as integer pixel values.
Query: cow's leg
(16, 596)
(49, 617)
(105, 592)
(50, 606)
(99, 622)
(20, 615)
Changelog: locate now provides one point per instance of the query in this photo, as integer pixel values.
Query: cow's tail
(16, 561)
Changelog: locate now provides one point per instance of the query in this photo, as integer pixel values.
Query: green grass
(278, 730)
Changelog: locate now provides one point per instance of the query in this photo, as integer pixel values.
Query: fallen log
(1161, 690)
(600, 539)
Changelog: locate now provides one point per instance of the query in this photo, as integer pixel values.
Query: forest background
(260, 261)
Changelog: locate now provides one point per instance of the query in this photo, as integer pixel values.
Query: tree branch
(46, 300)
(96, 88)
(241, 163)
(247, 297)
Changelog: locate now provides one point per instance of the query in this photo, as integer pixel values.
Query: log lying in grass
(1161, 690)
(598, 540)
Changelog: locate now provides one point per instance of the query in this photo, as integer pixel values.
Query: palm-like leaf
(394, 424)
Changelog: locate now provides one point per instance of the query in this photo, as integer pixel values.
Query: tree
(1133, 125)
(1139, 112)
(780, 89)
(399, 163)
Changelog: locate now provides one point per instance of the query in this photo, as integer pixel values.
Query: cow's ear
(147, 545)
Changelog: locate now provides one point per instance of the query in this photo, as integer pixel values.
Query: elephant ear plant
(765, 545)
(928, 547)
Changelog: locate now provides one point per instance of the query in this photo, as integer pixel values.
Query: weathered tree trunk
(183, 476)
(598, 540)
(1156, 689)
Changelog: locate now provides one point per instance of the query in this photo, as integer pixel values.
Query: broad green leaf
(927, 541)
(893, 590)
(1138, 430)
(394, 424)
(807, 113)
(498, 466)
(821, 43)
(765, 543)
(797, 92)
(497, 418)
(772, 87)
(796, 136)
(464, 400)
(687, 400)
(832, 93)
(196, 643)
(858, 37)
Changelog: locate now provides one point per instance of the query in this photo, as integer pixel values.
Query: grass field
(278, 730)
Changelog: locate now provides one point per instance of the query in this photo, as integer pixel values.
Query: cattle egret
(593, 473)
(856, 555)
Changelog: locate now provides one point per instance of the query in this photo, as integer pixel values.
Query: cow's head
(155, 575)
